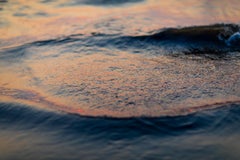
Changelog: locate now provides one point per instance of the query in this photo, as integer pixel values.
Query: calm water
(133, 79)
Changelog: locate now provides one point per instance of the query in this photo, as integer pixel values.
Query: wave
(20, 116)
(215, 39)
(218, 40)
(216, 34)
(28, 133)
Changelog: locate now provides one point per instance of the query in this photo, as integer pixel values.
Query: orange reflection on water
(122, 84)
(117, 83)
(35, 20)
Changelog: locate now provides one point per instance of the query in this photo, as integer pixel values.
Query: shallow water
(35, 134)
(136, 79)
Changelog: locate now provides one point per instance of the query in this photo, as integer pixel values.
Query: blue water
(28, 133)
(114, 80)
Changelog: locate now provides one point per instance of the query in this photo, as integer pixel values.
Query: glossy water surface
(133, 79)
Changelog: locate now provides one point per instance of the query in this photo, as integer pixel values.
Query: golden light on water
(114, 82)
(35, 20)
(122, 85)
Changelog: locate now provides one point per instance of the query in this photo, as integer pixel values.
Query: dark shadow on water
(48, 1)
(2, 2)
(35, 15)
(213, 42)
(102, 2)
(20, 14)
(14, 115)
(50, 136)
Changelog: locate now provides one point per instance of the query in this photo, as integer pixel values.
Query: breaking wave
(218, 39)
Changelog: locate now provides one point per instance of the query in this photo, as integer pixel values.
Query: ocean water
(133, 79)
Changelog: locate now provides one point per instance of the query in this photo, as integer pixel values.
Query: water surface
(135, 79)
